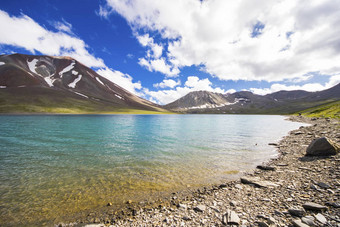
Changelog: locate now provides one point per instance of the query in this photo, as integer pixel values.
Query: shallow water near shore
(59, 165)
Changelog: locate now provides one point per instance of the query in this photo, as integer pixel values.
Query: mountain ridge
(246, 102)
(30, 76)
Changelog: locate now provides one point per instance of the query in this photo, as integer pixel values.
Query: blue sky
(163, 49)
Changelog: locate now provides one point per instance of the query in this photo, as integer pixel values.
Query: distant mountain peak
(281, 102)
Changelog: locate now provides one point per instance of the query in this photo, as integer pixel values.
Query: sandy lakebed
(296, 190)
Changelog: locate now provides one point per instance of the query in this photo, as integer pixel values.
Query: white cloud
(193, 83)
(104, 12)
(298, 37)
(167, 83)
(24, 32)
(63, 26)
(121, 79)
(230, 91)
(334, 80)
(159, 65)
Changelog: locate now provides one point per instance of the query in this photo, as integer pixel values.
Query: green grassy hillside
(331, 110)
(30, 101)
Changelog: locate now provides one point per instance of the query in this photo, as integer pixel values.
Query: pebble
(323, 185)
(309, 220)
(320, 218)
(264, 167)
(298, 223)
(200, 208)
(314, 206)
(297, 211)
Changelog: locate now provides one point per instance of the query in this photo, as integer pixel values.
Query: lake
(55, 166)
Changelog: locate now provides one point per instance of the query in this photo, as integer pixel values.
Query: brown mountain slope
(44, 84)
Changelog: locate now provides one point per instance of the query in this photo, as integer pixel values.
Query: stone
(309, 220)
(323, 185)
(232, 218)
(222, 186)
(322, 147)
(262, 224)
(182, 206)
(320, 218)
(271, 220)
(129, 202)
(109, 204)
(298, 223)
(314, 206)
(273, 144)
(233, 203)
(186, 218)
(258, 182)
(263, 167)
(298, 133)
(200, 208)
(333, 204)
(297, 211)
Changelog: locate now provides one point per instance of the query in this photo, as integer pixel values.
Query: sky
(163, 49)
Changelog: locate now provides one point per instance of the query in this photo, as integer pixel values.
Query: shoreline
(295, 181)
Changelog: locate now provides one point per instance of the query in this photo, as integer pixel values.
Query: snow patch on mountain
(2, 63)
(32, 65)
(74, 83)
(99, 81)
(120, 97)
(211, 106)
(49, 81)
(81, 94)
(67, 69)
(74, 72)
(2, 86)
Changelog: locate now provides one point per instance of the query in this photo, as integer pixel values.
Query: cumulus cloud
(334, 80)
(24, 32)
(121, 79)
(241, 40)
(193, 83)
(159, 65)
(167, 83)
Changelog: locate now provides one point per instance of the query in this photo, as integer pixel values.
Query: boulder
(322, 147)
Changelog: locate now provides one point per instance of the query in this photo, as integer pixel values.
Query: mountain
(245, 102)
(60, 84)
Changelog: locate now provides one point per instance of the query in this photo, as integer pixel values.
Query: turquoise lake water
(57, 165)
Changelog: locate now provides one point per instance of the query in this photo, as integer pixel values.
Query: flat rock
(231, 218)
(322, 147)
(320, 218)
(309, 220)
(297, 211)
(314, 206)
(262, 224)
(298, 133)
(333, 204)
(200, 208)
(299, 223)
(264, 167)
(323, 185)
(258, 182)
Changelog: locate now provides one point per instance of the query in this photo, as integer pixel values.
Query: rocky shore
(291, 190)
